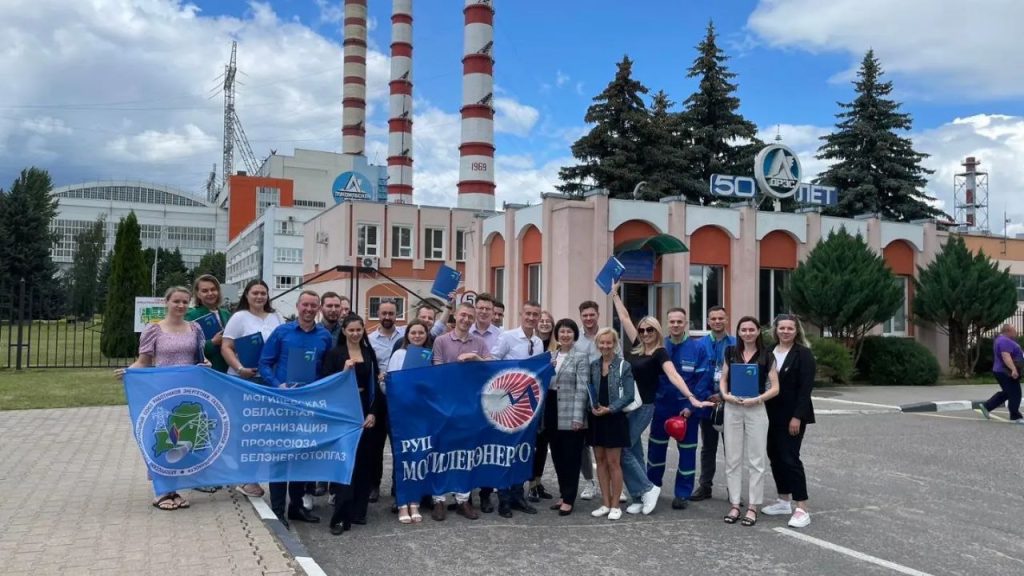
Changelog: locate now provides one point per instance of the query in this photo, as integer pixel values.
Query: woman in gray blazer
(564, 411)
(611, 389)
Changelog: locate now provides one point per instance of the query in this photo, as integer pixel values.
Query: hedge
(889, 361)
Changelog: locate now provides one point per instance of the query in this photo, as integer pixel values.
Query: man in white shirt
(483, 326)
(518, 344)
(590, 316)
(383, 341)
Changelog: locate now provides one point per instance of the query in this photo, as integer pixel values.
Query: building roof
(134, 192)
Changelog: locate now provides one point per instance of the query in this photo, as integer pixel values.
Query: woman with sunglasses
(789, 413)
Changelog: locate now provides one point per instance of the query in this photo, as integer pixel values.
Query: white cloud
(802, 139)
(964, 49)
(158, 147)
(561, 78)
(331, 11)
(514, 118)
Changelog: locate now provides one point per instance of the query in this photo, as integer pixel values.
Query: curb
(290, 541)
(872, 408)
(945, 406)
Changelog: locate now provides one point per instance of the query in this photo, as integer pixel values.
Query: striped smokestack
(400, 118)
(353, 103)
(476, 167)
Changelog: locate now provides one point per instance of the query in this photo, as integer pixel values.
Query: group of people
(602, 398)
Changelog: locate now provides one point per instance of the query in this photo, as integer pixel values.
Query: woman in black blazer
(789, 413)
(354, 352)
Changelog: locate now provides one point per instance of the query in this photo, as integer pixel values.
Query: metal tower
(970, 197)
(228, 162)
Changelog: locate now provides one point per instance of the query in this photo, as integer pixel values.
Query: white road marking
(856, 412)
(888, 406)
(851, 553)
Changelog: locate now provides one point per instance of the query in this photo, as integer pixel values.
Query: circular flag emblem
(511, 399)
(777, 170)
(183, 431)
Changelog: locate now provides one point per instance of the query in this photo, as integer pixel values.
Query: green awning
(659, 243)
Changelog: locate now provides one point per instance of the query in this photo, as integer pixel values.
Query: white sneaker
(800, 519)
(589, 490)
(307, 501)
(602, 511)
(634, 508)
(615, 513)
(650, 499)
(623, 497)
(330, 499)
(780, 508)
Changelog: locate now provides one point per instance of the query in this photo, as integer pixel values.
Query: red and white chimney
(476, 167)
(400, 106)
(353, 103)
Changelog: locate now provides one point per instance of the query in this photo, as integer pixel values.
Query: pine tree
(84, 275)
(129, 278)
(721, 140)
(611, 155)
(844, 288)
(25, 218)
(665, 158)
(964, 295)
(876, 170)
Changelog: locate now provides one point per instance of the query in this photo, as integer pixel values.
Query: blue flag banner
(198, 427)
(459, 426)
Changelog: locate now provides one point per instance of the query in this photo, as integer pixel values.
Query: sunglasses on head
(646, 330)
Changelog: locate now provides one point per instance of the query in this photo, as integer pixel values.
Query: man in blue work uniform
(687, 356)
(714, 345)
(303, 337)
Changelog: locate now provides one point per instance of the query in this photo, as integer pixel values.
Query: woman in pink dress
(172, 341)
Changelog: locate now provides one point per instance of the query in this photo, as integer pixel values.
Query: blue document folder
(210, 324)
(248, 349)
(610, 274)
(417, 357)
(743, 380)
(301, 366)
(446, 282)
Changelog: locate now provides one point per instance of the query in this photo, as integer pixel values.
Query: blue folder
(743, 380)
(610, 274)
(417, 357)
(446, 282)
(301, 367)
(210, 324)
(248, 349)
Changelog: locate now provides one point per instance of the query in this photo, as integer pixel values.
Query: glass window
(401, 242)
(433, 244)
(291, 255)
(498, 286)
(375, 306)
(460, 245)
(707, 289)
(1018, 279)
(367, 242)
(770, 300)
(285, 282)
(266, 197)
(897, 325)
(533, 283)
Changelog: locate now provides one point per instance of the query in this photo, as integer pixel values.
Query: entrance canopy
(659, 244)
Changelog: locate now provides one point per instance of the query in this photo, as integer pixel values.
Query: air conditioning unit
(321, 237)
(369, 262)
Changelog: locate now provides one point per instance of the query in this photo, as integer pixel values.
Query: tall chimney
(400, 118)
(476, 166)
(971, 189)
(353, 103)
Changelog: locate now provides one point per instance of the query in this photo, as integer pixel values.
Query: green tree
(844, 288)
(665, 161)
(214, 263)
(722, 141)
(129, 278)
(170, 269)
(84, 274)
(876, 170)
(611, 155)
(103, 281)
(26, 213)
(964, 295)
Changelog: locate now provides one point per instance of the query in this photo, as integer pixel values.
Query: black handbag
(718, 416)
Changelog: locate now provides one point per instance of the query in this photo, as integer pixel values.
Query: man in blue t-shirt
(714, 345)
(293, 356)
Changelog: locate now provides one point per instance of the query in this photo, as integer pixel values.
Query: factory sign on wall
(777, 173)
(354, 186)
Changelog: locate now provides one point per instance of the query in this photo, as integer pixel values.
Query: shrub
(888, 361)
(835, 361)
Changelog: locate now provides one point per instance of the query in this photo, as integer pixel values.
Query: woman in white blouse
(252, 314)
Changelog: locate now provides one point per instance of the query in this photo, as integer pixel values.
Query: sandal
(250, 490)
(180, 500)
(747, 519)
(414, 514)
(403, 515)
(166, 502)
(207, 489)
(731, 518)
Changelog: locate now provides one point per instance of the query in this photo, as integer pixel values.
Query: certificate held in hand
(743, 380)
(301, 366)
(417, 357)
(446, 282)
(248, 349)
(610, 274)
(210, 324)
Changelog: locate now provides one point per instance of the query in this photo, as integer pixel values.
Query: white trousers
(746, 440)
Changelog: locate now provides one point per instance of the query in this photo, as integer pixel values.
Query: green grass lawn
(55, 343)
(61, 388)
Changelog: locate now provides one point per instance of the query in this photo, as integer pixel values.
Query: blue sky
(952, 68)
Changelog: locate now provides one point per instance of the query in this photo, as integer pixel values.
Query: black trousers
(379, 435)
(708, 452)
(351, 501)
(1009, 392)
(549, 424)
(784, 455)
(567, 454)
(281, 492)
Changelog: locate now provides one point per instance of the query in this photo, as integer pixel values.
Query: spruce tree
(964, 295)
(722, 141)
(28, 210)
(844, 288)
(665, 159)
(611, 155)
(876, 170)
(129, 278)
(84, 273)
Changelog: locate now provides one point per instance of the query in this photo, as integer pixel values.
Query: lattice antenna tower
(228, 162)
(970, 197)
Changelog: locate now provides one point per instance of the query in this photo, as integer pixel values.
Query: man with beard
(331, 314)
(383, 341)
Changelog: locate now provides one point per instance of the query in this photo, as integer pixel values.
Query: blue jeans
(634, 470)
